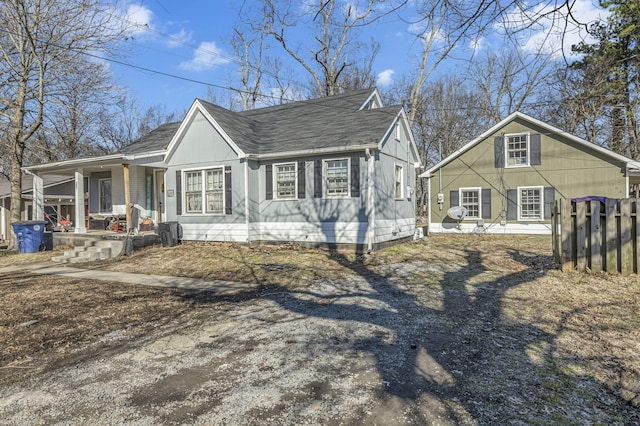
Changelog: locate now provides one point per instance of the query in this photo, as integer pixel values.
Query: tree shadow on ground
(464, 361)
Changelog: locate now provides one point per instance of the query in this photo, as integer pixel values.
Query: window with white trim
(470, 198)
(285, 180)
(517, 150)
(530, 203)
(399, 181)
(336, 177)
(212, 192)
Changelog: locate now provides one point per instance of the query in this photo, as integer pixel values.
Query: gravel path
(374, 349)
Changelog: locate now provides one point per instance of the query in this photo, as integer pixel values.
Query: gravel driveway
(378, 348)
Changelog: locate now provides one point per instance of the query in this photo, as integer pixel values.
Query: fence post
(626, 248)
(636, 220)
(581, 236)
(556, 233)
(567, 230)
(611, 265)
(596, 237)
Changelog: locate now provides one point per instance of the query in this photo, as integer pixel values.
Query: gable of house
(509, 178)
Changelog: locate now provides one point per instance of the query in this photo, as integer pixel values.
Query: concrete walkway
(50, 268)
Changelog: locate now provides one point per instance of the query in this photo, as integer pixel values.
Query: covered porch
(113, 193)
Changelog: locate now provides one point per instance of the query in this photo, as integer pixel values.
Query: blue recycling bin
(30, 235)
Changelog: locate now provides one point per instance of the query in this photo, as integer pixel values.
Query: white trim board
(494, 228)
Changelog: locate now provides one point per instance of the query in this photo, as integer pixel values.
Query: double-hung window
(530, 203)
(207, 185)
(285, 180)
(470, 198)
(214, 191)
(336, 177)
(399, 181)
(517, 149)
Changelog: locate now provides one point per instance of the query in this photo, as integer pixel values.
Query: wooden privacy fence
(597, 234)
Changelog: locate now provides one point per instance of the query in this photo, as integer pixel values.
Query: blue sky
(189, 39)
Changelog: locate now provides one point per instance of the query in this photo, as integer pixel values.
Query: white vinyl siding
(336, 177)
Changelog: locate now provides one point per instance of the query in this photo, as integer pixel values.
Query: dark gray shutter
(454, 199)
(486, 204)
(355, 177)
(178, 192)
(317, 179)
(269, 181)
(227, 190)
(498, 151)
(512, 204)
(534, 149)
(549, 198)
(301, 182)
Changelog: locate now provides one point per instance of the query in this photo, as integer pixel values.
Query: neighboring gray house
(329, 171)
(58, 200)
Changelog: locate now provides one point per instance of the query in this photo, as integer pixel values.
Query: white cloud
(180, 38)
(207, 56)
(541, 30)
(385, 78)
(138, 19)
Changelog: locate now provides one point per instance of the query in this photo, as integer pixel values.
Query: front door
(159, 196)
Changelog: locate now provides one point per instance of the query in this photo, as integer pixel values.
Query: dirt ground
(454, 330)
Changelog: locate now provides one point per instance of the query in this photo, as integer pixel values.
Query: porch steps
(90, 251)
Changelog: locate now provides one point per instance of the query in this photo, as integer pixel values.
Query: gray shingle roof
(156, 140)
(329, 122)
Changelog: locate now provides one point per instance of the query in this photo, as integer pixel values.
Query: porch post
(79, 225)
(127, 196)
(38, 197)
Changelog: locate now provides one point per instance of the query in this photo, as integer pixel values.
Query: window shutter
(355, 177)
(498, 152)
(486, 204)
(227, 190)
(534, 149)
(269, 181)
(178, 192)
(454, 199)
(549, 198)
(301, 182)
(512, 204)
(317, 179)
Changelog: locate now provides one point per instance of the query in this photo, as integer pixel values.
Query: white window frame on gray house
(515, 152)
(332, 190)
(526, 205)
(399, 181)
(205, 192)
(102, 196)
(285, 182)
(472, 206)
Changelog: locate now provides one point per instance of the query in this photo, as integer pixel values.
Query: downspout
(371, 205)
(3, 224)
(246, 198)
(429, 205)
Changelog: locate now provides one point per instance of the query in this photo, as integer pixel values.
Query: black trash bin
(48, 240)
(170, 233)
